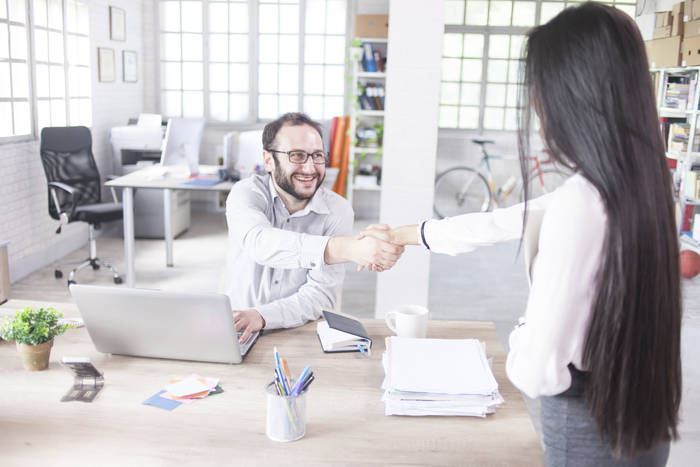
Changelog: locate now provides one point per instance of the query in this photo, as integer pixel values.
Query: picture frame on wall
(105, 64)
(129, 66)
(117, 24)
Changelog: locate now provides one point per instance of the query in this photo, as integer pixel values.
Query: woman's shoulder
(577, 200)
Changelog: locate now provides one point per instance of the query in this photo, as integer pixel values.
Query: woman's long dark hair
(586, 76)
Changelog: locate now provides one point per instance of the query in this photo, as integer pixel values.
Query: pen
(279, 371)
(285, 371)
(307, 384)
(297, 386)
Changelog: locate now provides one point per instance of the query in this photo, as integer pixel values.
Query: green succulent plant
(33, 327)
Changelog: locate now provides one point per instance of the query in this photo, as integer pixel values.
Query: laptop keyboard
(248, 342)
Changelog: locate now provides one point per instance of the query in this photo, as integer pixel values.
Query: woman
(600, 339)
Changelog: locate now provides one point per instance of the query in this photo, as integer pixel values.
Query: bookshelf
(678, 103)
(366, 115)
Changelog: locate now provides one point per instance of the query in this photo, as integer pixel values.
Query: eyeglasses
(297, 156)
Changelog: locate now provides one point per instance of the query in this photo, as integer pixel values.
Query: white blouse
(569, 247)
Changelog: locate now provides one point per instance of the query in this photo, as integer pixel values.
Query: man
(288, 235)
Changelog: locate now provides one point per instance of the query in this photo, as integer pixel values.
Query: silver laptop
(160, 324)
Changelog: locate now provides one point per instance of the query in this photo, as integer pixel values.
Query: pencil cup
(286, 415)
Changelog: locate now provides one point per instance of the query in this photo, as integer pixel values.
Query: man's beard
(287, 184)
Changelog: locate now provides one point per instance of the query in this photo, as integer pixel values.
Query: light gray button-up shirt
(275, 261)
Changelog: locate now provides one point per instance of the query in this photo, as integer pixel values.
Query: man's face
(299, 180)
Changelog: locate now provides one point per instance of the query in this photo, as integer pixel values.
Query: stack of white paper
(438, 377)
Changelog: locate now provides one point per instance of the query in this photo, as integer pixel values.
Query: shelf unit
(684, 160)
(358, 116)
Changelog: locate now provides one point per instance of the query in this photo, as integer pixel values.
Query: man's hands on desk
(248, 321)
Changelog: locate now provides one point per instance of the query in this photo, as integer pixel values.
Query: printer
(134, 147)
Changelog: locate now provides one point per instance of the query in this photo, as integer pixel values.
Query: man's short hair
(291, 119)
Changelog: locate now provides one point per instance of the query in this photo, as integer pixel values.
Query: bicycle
(461, 190)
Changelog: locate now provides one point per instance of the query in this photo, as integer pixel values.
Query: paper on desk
(157, 401)
(191, 385)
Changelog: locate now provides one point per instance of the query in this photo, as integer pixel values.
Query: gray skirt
(571, 437)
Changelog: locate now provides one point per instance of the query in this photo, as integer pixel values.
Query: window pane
(20, 80)
(289, 19)
(43, 114)
(5, 119)
(192, 104)
(5, 80)
(84, 28)
(500, 13)
(449, 93)
(71, 23)
(192, 76)
(313, 79)
(267, 81)
(4, 44)
(57, 81)
(549, 10)
(218, 77)
(313, 49)
(452, 45)
(629, 9)
(238, 48)
(454, 12)
(335, 49)
(471, 70)
(41, 45)
(218, 48)
(17, 11)
(170, 46)
(512, 96)
(313, 106)
(171, 103)
(55, 47)
(450, 69)
(22, 121)
(58, 112)
(514, 71)
(333, 107)
(335, 17)
(239, 77)
(3, 10)
(238, 17)
(335, 82)
(18, 43)
(511, 120)
(499, 46)
(524, 13)
(448, 117)
(39, 12)
(268, 19)
(218, 106)
(493, 118)
(42, 81)
(477, 12)
(289, 79)
(218, 17)
(267, 106)
(55, 14)
(238, 107)
(516, 46)
(495, 94)
(315, 16)
(191, 46)
(169, 16)
(192, 16)
(471, 93)
(498, 71)
(473, 45)
(289, 49)
(468, 117)
(269, 51)
(170, 75)
(288, 104)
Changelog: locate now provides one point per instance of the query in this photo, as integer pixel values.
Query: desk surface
(151, 177)
(345, 415)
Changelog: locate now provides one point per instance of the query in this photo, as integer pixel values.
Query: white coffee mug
(408, 321)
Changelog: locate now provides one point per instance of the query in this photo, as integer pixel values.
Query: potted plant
(34, 330)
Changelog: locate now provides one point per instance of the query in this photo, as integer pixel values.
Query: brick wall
(24, 219)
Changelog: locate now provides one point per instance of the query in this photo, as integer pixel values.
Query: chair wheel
(117, 280)
(58, 274)
(95, 266)
(70, 282)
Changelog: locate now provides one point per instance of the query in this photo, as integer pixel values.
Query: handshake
(377, 248)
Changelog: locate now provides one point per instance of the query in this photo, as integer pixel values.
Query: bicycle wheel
(460, 190)
(551, 180)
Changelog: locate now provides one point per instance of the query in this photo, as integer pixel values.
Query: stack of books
(678, 137)
(677, 96)
(438, 377)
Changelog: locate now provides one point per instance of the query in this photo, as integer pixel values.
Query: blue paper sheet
(202, 182)
(161, 402)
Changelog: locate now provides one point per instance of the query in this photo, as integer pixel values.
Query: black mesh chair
(75, 189)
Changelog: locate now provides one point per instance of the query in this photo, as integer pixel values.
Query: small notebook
(342, 334)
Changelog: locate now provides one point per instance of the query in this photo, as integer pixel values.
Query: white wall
(24, 219)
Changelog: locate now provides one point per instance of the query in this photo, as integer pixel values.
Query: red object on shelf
(690, 264)
(687, 222)
(672, 163)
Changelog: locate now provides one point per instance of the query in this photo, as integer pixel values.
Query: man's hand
(247, 321)
(363, 251)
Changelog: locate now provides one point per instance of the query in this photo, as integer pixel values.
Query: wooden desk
(346, 424)
(152, 178)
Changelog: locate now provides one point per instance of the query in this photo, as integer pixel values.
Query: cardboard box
(677, 24)
(372, 25)
(691, 51)
(661, 32)
(663, 19)
(691, 28)
(664, 52)
(694, 12)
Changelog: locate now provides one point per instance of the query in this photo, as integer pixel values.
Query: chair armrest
(74, 194)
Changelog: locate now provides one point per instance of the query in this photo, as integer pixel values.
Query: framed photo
(129, 66)
(105, 64)
(117, 24)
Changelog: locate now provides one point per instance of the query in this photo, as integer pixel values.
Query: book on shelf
(371, 96)
(368, 63)
(678, 137)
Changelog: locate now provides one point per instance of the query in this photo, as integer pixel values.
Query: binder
(368, 58)
(342, 334)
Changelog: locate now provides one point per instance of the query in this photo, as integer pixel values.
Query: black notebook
(342, 334)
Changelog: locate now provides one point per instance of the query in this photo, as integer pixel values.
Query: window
(247, 60)
(15, 116)
(481, 58)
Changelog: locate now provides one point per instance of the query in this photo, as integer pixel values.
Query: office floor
(488, 284)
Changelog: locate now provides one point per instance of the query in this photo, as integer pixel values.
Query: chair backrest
(66, 154)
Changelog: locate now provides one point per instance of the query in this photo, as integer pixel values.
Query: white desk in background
(154, 177)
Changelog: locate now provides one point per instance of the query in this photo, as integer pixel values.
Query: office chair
(75, 192)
